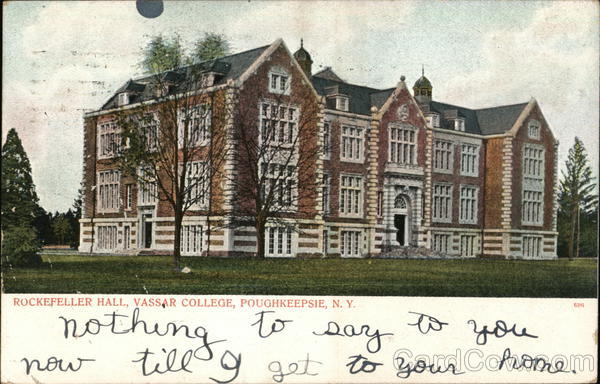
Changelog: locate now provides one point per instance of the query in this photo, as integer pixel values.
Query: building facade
(395, 169)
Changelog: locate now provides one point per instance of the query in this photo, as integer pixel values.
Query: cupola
(422, 89)
(303, 58)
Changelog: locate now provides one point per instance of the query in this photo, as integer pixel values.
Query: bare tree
(174, 144)
(277, 140)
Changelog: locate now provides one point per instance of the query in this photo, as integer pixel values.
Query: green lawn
(153, 275)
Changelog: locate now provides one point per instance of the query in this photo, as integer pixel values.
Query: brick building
(396, 170)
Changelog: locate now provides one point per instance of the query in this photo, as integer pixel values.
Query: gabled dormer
(336, 99)
(128, 92)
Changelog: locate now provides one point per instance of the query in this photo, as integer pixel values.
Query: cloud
(554, 59)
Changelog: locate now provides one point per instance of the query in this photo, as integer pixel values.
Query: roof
(328, 73)
(486, 121)
(229, 67)
(422, 82)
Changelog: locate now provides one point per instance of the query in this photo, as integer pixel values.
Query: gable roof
(499, 119)
(328, 74)
(229, 67)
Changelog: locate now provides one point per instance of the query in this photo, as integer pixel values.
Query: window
(442, 203)
(469, 160)
(442, 156)
(149, 129)
(403, 145)
(341, 103)
(533, 185)
(128, 196)
(109, 140)
(191, 239)
(326, 193)
(194, 126)
(467, 245)
(533, 130)
(123, 99)
(350, 243)
(351, 195)
(532, 246)
(126, 237)
(459, 125)
(279, 81)
(279, 241)
(278, 184)
(352, 143)
(380, 203)
(147, 189)
(433, 120)
(441, 242)
(327, 140)
(108, 191)
(278, 123)
(196, 184)
(325, 242)
(468, 205)
(107, 237)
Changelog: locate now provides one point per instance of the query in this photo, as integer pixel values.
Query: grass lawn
(376, 277)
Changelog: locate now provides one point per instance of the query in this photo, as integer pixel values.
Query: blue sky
(61, 59)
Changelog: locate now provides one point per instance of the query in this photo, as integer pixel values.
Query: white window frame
(279, 241)
(107, 237)
(532, 246)
(108, 139)
(352, 143)
(443, 156)
(128, 197)
(441, 242)
(326, 190)
(199, 119)
(351, 195)
(468, 245)
(469, 159)
(533, 129)
(459, 124)
(147, 191)
(533, 168)
(441, 204)
(433, 120)
(197, 190)
(350, 242)
(280, 81)
(281, 116)
(342, 103)
(108, 191)
(285, 181)
(468, 204)
(122, 99)
(402, 149)
(327, 140)
(126, 236)
(192, 239)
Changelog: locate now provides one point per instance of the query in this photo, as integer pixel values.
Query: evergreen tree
(19, 199)
(163, 54)
(577, 200)
(211, 46)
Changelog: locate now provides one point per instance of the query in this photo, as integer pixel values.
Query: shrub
(20, 247)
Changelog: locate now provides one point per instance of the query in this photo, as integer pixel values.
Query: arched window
(400, 202)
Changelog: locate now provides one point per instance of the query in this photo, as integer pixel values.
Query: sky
(62, 59)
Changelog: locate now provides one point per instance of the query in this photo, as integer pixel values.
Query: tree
(163, 54)
(176, 146)
(61, 227)
(277, 181)
(576, 197)
(19, 199)
(20, 246)
(211, 46)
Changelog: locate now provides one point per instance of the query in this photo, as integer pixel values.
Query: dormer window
(123, 98)
(533, 130)
(207, 80)
(459, 125)
(279, 81)
(433, 120)
(341, 103)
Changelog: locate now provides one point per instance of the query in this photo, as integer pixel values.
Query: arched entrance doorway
(402, 219)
